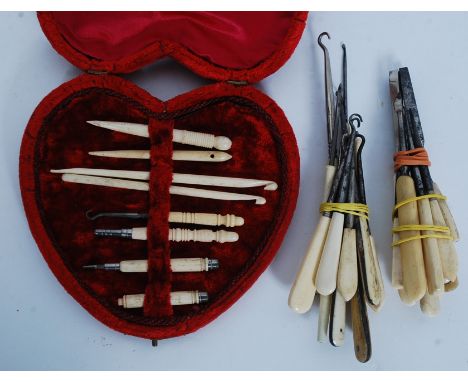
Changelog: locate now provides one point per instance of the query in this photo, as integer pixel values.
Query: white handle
(203, 235)
(302, 292)
(448, 217)
(430, 304)
(328, 267)
(177, 155)
(432, 263)
(210, 194)
(348, 268)
(195, 264)
(324, 318)
(397, 276)
(130, 301)
(339, 320)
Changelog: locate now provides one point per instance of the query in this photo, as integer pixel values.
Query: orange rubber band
(415, 157)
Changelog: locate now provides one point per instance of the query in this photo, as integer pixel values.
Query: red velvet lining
(243, 46)
(57, 136)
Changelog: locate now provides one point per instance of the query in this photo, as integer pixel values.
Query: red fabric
(243, 46)
(57, 136)
(158, 290)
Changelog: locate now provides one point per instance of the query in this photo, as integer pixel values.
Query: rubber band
(433, 235)
(421, 227)
(415, 157)
(356, 209)
(416, 198)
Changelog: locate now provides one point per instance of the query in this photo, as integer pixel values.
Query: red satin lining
(238, 40)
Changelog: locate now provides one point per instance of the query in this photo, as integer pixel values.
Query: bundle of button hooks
(425, 263)
(136, 180)
(341, 262)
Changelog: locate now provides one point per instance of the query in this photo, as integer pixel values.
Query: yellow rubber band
(434, 235)
(357, 209)
(419, 227)
(416, 198)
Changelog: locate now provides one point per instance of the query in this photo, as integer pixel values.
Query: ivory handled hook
(202, 218)
(185, 137)
(432, 263)
(203, 180)
(397, 277)
(175, 234)
(411, 252)
(178, 155)
(447, 251)
(348, 268)
(301, 296)
(448, 217)
(325, 280)
(190, 264)
(129, 301)
(174, 190)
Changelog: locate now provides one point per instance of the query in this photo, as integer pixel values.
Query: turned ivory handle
(174, 190)
(206, 219)
(177, 265)
(203, 180)
(178, 155)
(301, 296)
(202, 235)
(447, 251)
(179, 136)
(177, 298)
(328, 267)
(411, 252)
(348, 268)
(432, 263)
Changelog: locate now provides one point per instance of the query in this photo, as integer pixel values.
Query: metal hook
(355, 118)
(128, 215)
(319, 40)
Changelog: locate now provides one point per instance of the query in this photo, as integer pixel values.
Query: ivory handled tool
(175, 234)
(301, 296)
(199, 218)
(397, 277)
(337, 319)
(185, 137)
(129, 301)
(174, 190)
(448, 217)
(193, 264)
(430, 304)
(178, 155)
(203, 180)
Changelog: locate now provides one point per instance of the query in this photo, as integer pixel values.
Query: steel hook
(319, 40)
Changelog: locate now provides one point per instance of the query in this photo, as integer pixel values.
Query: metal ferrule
(125, 232)
(202, 297)
(212, 264)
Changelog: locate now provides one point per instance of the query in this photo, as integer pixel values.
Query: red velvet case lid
(224, 46)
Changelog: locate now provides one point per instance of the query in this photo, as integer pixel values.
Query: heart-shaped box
(233, 48)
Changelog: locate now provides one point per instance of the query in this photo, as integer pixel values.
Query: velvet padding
(224, 46)
(57, 136)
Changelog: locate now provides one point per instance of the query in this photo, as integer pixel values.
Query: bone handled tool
(130, 301)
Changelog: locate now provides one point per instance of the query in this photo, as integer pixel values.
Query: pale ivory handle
(177, 155)
(378, 276)
(348, 268)
(374, 287)
(447, 252)
(430, 304)
(205, 219)
(177, 298)
(411, 252)
(179, 234)
(203, 235)
(195, 264)
(339, 320)
(324, 318)
(451, 285)
(448, 217)
(432, 263)
(328, 267)
(223, 181)
(302, 292)
(179, 136)
(397, 277)
(301, 296)
(174, 190)
(209, 141)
